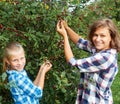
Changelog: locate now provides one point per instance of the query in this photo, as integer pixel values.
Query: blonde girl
(23, 90)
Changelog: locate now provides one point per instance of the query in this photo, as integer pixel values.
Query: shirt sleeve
(85, 45)
(97, 62)
(27, 86)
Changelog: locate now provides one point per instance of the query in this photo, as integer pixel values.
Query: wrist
(65, 36)
(42, 71)
(67, 27)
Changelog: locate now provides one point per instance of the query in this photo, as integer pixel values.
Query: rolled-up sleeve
(21, 85)
(72, 61)
(97, 62)
(28, 87)
(85, 45)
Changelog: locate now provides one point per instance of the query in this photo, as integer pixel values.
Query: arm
(29, 88)
(24, 85)
(39, 81)
(72, 35)
(67, 49)
(97, 62)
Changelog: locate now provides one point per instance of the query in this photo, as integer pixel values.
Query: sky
(72, 7)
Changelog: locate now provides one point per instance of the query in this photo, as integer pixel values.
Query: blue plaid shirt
(97, 74)
(22, 88)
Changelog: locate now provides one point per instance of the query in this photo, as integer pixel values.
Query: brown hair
(14, 46)
(115, 43)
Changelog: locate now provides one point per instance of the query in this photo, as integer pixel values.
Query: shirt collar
(14, 71)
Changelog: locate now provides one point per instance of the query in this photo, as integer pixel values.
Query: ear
(7, 61)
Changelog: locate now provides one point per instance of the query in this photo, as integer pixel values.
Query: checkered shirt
(22, 88)
(97, 74)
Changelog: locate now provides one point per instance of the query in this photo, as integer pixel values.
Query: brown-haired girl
(99, 70)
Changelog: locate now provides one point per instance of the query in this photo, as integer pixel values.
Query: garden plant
(33, 24)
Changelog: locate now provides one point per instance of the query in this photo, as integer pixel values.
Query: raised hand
(61, 29)
(65, 24)
(46, 66)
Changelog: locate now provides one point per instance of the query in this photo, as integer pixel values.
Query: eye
(14, 60)
(103, 35)
(22, 58)
(95, 35)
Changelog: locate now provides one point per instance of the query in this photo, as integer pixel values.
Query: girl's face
(101, 39)
(17, 61)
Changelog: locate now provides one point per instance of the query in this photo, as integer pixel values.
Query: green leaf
(4, 75)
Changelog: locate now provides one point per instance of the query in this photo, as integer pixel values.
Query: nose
(98, 38)
(19, 62)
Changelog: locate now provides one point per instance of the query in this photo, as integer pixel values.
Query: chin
(99, 48)
(19, 69)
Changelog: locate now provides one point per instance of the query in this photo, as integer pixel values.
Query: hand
(65, 24)
(47, 62)
(46, 66)
(61, 29)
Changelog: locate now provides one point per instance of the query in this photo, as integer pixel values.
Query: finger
(48, 64)
(62, 25)
(58, 25)
(42, 65)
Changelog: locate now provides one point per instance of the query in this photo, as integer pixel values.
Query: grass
(116, 89)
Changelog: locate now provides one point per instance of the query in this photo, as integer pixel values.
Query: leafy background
(33, 24)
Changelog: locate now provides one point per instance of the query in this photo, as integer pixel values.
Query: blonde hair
(14, 46)
(115, 43)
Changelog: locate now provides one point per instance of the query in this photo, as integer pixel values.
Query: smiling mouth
(19, 67)
(98, 44)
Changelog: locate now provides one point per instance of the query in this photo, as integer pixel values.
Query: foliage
(33, 24)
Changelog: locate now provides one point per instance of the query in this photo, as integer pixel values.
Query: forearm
(36, 81)
(67, 49)
(39, 81)
(72, 35)
(62, 30)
